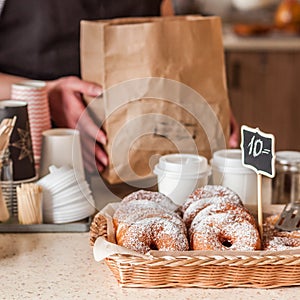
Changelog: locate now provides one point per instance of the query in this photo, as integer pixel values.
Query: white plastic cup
(178, 175)
(61, 147)
(228, 170)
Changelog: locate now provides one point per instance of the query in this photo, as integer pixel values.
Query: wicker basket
(256, 269)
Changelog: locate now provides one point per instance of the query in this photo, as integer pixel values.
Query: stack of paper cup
(34, 93)
(61, 147)
(18, 166)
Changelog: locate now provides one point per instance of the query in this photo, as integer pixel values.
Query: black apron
(39, 39)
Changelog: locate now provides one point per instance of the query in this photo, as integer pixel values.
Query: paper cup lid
(182, 163)
(228, 158)
(12, 103)
(38, 84)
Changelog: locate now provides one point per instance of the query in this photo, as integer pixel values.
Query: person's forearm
(5, 84)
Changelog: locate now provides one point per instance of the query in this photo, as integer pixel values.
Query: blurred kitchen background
(262, 53)
(230, 10)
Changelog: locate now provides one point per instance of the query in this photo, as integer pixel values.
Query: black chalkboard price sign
(258, 154)
(258, 151)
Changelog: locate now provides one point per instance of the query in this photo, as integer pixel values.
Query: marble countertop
(61, 266)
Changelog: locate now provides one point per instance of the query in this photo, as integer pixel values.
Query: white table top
(61, 266)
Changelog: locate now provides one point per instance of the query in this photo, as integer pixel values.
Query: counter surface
(61, 266)
(268, 42)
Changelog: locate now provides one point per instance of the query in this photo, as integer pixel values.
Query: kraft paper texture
(165, 89)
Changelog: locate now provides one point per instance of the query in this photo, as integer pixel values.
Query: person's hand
(68, 110)
(234, 132)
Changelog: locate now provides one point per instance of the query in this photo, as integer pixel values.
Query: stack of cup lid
(66, 196)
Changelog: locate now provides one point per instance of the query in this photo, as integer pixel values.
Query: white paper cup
(228, 170)
(61, 147)
(179, 175)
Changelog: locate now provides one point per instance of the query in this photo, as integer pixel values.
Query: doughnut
(196, 206)
(156, 197)
(239, 212)
(217, 220)
(275, 239)
(269, 228)
(211, 191)
(154, 233)
(225, 231)
(147, 221)
(279, 243)
(129, 212)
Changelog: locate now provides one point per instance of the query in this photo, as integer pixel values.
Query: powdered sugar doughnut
(218, 220)
(129, 212)
(145, 221)
(225, 231)
(211, 191)
(280, 243)
(236, 211)
(275, 239)
(156, 197)
(220, 203)
(155, 233)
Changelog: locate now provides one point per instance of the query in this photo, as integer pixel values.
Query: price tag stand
(259, 204)
(258, 154)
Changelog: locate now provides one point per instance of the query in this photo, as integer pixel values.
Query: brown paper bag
(165, 89)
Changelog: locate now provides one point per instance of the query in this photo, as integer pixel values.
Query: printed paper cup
(20, 141)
